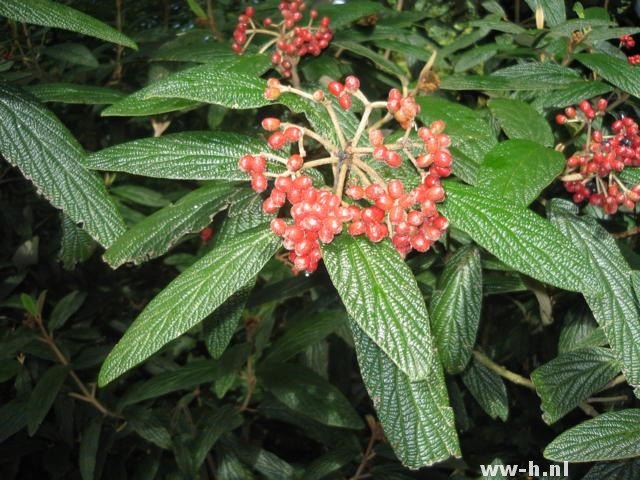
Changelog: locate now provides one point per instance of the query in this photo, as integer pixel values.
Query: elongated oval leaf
(570, 94)
(157, 233)
(569, 379)
(518, 119)
(186, 155)
(518, 237)
(308, 393)
(455, 308)
(618, 72)
(381, 294)
(88, 451)
(75, 245)
(43, 395)
(34, 140)
(518, 170)
(415, 415)
(53, 14)
(75, 93)
(488, 389)
(611, 436)
(189, 298)
(615, 308)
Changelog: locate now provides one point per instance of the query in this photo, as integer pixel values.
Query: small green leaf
(381, 294)
(56, 15)
(75, 53)
(149, 426)
(29, 304)
(76, 245)
(488, 389)
(65, 308)
(308, 393)
(184, 378)
(519, 120)
(570, 378)
(618, 72)
(212, 426)
(34, 140)
(610, 436)
(519, 170)
(379, 60)
(517, 236)
(196, 9)
(190, 297)
(157, 233)
(415, 415)
(471, 137)
(89, 442)
(580, 330)
(303, 334)
(455, 308)
(72, 93)
(185, 156)
(43, 395)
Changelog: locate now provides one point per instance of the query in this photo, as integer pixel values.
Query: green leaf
(189, 298)
(43, 395)
(76, 245)
(343, 14)
(219, 327)
(88, 451)
(75, 53)
(570, 94)
(307, 393)
(381, 294)
(332, 461)
(303, 334)
(72, 93)
(570, 378)
(415, 415)
(630, 176)
(517, 236)
(471, 137)
(518, 119)
(138, 105)
(269, 465)
(519, 170)
(65, 308)
(616, 71)
(494, 82)
(232, 83)
(212, 426)
(29, 304)
(610, 436)
(488, 389)
(34, 140)
(455, 308)
(379, 60)
(614, 471)
(186, 377)
(196, 9)
(184, 156)
(580, 331)
(139, 195)
(615, 307)
(196, 46)
(554, 10)
(53, 14)
(157, 233)
(147, 424)
(13, 418)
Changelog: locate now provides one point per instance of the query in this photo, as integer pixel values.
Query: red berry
(380, 152)
(276, 58)
(395, 188)
(602, 104)
(336, 88)
(283, 184)
(246, 163)
(258, 182)
(206, 234)
(270, 124)
(292, 134)
(356, 192)
(277, 140)
(393, 159)
(345, 101)
(352, 83)
(561, 119)
(294, 163)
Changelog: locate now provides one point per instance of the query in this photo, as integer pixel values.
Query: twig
(502, 371)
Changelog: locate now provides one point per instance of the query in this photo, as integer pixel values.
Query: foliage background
(176, 416)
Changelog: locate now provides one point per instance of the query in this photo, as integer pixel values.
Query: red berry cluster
(291, 40)
(370, 206)
(590, 173)
(627, 42)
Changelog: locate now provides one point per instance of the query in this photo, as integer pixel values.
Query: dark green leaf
(614, 70)
(147, 424)
(519, 170)
(455, 308)
(157, 233)
(76, 245)
(88, 451)
(614, 471)
(610, 436)
(75, 53)
(554, 10)
(415, 415)
(381, 294)
(519, 120)
(65, 308)
(56, 15)
(35, 141)
(307, 393)
(43, 395)
(570, 378)
(189, 298)
(212, 426)
(488, 389)
(517, 236)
